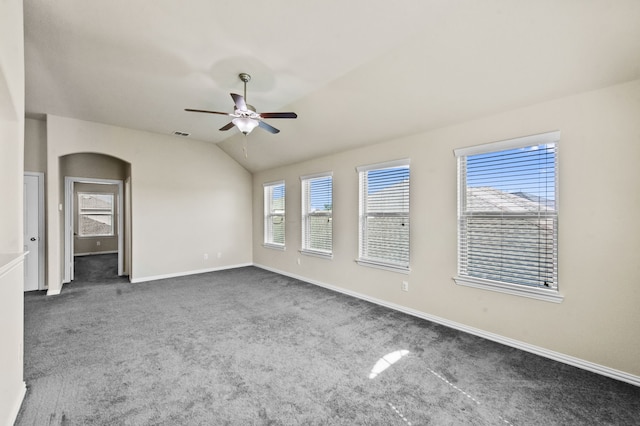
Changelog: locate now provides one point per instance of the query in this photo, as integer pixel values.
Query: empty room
(336, 213)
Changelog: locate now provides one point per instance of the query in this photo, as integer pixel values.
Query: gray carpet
(250, 347)
(97, 268)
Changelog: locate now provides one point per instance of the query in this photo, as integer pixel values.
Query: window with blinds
(274, 214)
(507, 213)
(317, 207)
(384, 215)
(95, 214)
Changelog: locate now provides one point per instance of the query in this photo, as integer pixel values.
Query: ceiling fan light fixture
(244, 124)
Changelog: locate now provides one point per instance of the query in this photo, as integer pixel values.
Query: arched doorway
(97, 209)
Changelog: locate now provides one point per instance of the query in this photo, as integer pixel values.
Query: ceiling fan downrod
(245, 79)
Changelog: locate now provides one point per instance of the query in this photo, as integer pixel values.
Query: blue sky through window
(529, 170)
(278, 192)
(321, 193)
(380, 179)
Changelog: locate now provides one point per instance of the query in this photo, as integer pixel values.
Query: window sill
(274, 246)
(314, 253)
(547, 295)
(385, 266)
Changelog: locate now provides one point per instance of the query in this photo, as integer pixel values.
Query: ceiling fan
(245, 117)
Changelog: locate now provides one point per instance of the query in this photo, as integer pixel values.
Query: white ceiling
(356, 72)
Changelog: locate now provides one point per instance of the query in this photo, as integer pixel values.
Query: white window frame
(270, 215)
(96, 211)
(546, 294)
(308, 214)
(363, 258)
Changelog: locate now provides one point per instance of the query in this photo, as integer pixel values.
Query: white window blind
(95, 214)
(317, 208)
(384, 215)
(274, 214)
(507, 212)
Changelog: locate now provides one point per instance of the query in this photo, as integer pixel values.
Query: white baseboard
(185, 273)
(556, 356)
(13, 414)
(54, 292)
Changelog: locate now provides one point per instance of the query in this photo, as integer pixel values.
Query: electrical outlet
(298, 261)
(206, 256)
(219, 255)
(405, 285)
(98, 243)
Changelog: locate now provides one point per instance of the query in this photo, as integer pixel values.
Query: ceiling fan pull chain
(244, 147)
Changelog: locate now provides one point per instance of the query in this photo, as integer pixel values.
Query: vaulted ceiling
(357, 72)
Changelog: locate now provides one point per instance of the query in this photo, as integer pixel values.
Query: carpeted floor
(250, 347)
(97, 268)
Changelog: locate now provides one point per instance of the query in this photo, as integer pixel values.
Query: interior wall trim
(185, 273)
(537, 350)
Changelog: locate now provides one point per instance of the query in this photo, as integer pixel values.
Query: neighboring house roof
(95, 201)
(393, 198)
(487, 199)
(90, 226)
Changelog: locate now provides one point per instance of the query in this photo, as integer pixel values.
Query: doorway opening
(97, 214)
(94, 221)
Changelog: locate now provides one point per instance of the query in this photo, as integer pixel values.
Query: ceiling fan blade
(208, 112)
(239, 101)
(278, 115)
(227, 127)
(268, 127)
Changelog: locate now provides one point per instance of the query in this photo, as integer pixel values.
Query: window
(508, 216)
(384, 215)
(95, 214)
(274, 214)
(317, 207)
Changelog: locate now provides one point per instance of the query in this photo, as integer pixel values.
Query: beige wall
(35, 145)
(12, 387)
(90, 165)
(599, 259)
(93, 166)
(189, 198)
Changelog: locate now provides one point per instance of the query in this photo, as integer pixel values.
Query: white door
(32, 232)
